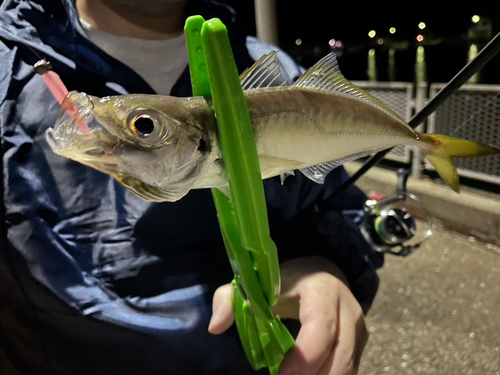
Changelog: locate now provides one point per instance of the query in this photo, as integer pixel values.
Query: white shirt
(159, 62)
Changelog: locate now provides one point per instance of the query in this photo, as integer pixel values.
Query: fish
(161, 147)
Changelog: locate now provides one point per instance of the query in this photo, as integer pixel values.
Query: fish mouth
(78, 134)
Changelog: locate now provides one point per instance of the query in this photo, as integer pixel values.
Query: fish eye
(147, 125)
(144, 125)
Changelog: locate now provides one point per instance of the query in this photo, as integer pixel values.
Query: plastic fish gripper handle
(243, 217)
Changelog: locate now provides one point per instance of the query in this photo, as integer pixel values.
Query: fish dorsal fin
(326, 75)
(265, 72)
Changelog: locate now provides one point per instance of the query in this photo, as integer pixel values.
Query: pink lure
(60, 92)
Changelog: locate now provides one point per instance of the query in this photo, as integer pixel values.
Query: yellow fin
(447, 170)
(459, 147)
(443, 148)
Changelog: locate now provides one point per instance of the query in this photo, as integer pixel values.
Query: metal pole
(417, 162)
(265, 19)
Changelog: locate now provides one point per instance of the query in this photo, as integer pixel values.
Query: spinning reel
(397, 224)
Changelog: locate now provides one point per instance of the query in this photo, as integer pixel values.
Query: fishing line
(473, 115)
(34, 51)
(23, 43)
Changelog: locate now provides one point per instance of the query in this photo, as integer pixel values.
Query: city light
(392, 30)
(298, 41)
(476, 19)
(380, 41)
(372, 34)
(336, 45)
(421, 25)
(420, 37)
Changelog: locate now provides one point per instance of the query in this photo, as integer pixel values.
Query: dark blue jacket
(92, 279)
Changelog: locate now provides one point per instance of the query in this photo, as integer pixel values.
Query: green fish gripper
(243, 217)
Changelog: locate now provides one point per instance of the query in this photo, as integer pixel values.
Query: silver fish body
(297, 128)
(161, 147)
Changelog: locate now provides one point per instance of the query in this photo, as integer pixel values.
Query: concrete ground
(438, 310)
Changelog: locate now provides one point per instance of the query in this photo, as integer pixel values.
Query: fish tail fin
(443, 148)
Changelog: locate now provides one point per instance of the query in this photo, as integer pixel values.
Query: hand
(333, 333)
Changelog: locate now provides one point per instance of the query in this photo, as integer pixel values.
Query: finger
(349, 345)
(222, 310)
(316, 337)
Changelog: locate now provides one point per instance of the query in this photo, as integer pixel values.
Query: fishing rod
(485, 55)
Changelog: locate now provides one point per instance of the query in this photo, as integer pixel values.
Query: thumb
(222, 310)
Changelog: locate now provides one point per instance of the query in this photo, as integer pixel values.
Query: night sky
(446, 44)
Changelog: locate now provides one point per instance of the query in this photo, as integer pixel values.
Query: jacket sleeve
(335, 236)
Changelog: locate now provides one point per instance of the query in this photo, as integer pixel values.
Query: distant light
(338, 44)
(298, 41)
(372, 34)
(392, 30)
(331, 42)
(371, 52)
(476, 19)
(380, 41)
(421, 25)
(420, 37)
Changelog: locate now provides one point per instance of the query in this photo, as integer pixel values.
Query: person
(95, 281)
